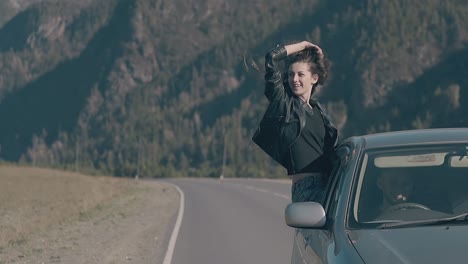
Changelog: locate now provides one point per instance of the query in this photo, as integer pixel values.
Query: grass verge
(35, 199)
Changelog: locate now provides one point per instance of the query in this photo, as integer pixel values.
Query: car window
(411, 183)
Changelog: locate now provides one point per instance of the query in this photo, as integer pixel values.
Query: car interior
(435, 187)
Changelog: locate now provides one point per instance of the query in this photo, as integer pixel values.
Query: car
(392, 197)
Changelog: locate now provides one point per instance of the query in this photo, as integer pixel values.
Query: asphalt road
(233, 221)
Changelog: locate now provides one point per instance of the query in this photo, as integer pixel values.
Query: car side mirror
(305, 215)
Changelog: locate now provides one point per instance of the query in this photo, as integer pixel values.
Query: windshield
(409, 184)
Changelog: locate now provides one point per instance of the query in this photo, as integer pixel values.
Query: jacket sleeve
(274, 88)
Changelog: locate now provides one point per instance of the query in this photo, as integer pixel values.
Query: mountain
(161, 88)
(9, 8)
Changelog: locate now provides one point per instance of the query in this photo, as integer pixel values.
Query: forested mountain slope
(159, 88)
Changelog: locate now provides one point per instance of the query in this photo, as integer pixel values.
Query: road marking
(266, 191)
(250, 187)
(282, 196)
(175, 232)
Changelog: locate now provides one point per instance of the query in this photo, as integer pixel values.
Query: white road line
(175, 232)
(250, 187)
(282, 196)
(266, 191)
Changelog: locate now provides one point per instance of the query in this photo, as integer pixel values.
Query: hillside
(160, 88)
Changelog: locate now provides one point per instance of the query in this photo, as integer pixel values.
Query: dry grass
(34, 199)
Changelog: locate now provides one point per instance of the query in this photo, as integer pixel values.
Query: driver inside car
(397, 188)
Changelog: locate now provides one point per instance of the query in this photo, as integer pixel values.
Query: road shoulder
(132, 228)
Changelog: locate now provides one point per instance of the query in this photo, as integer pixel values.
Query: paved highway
(233, 221)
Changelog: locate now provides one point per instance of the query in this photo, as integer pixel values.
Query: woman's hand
(308, 45)
(293, 48)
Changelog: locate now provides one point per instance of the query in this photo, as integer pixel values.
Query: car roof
(414, 137)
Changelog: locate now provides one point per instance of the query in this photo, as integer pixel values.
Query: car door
(311, 245)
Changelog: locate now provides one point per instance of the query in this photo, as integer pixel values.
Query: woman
(295, 131)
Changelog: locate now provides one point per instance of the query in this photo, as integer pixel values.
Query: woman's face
(301, 80)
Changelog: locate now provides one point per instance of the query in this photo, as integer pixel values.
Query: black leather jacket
(285, 117)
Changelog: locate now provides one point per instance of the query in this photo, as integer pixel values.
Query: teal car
(396, 197)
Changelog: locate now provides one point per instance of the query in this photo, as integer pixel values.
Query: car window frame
(343, 156)
(351, 221)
